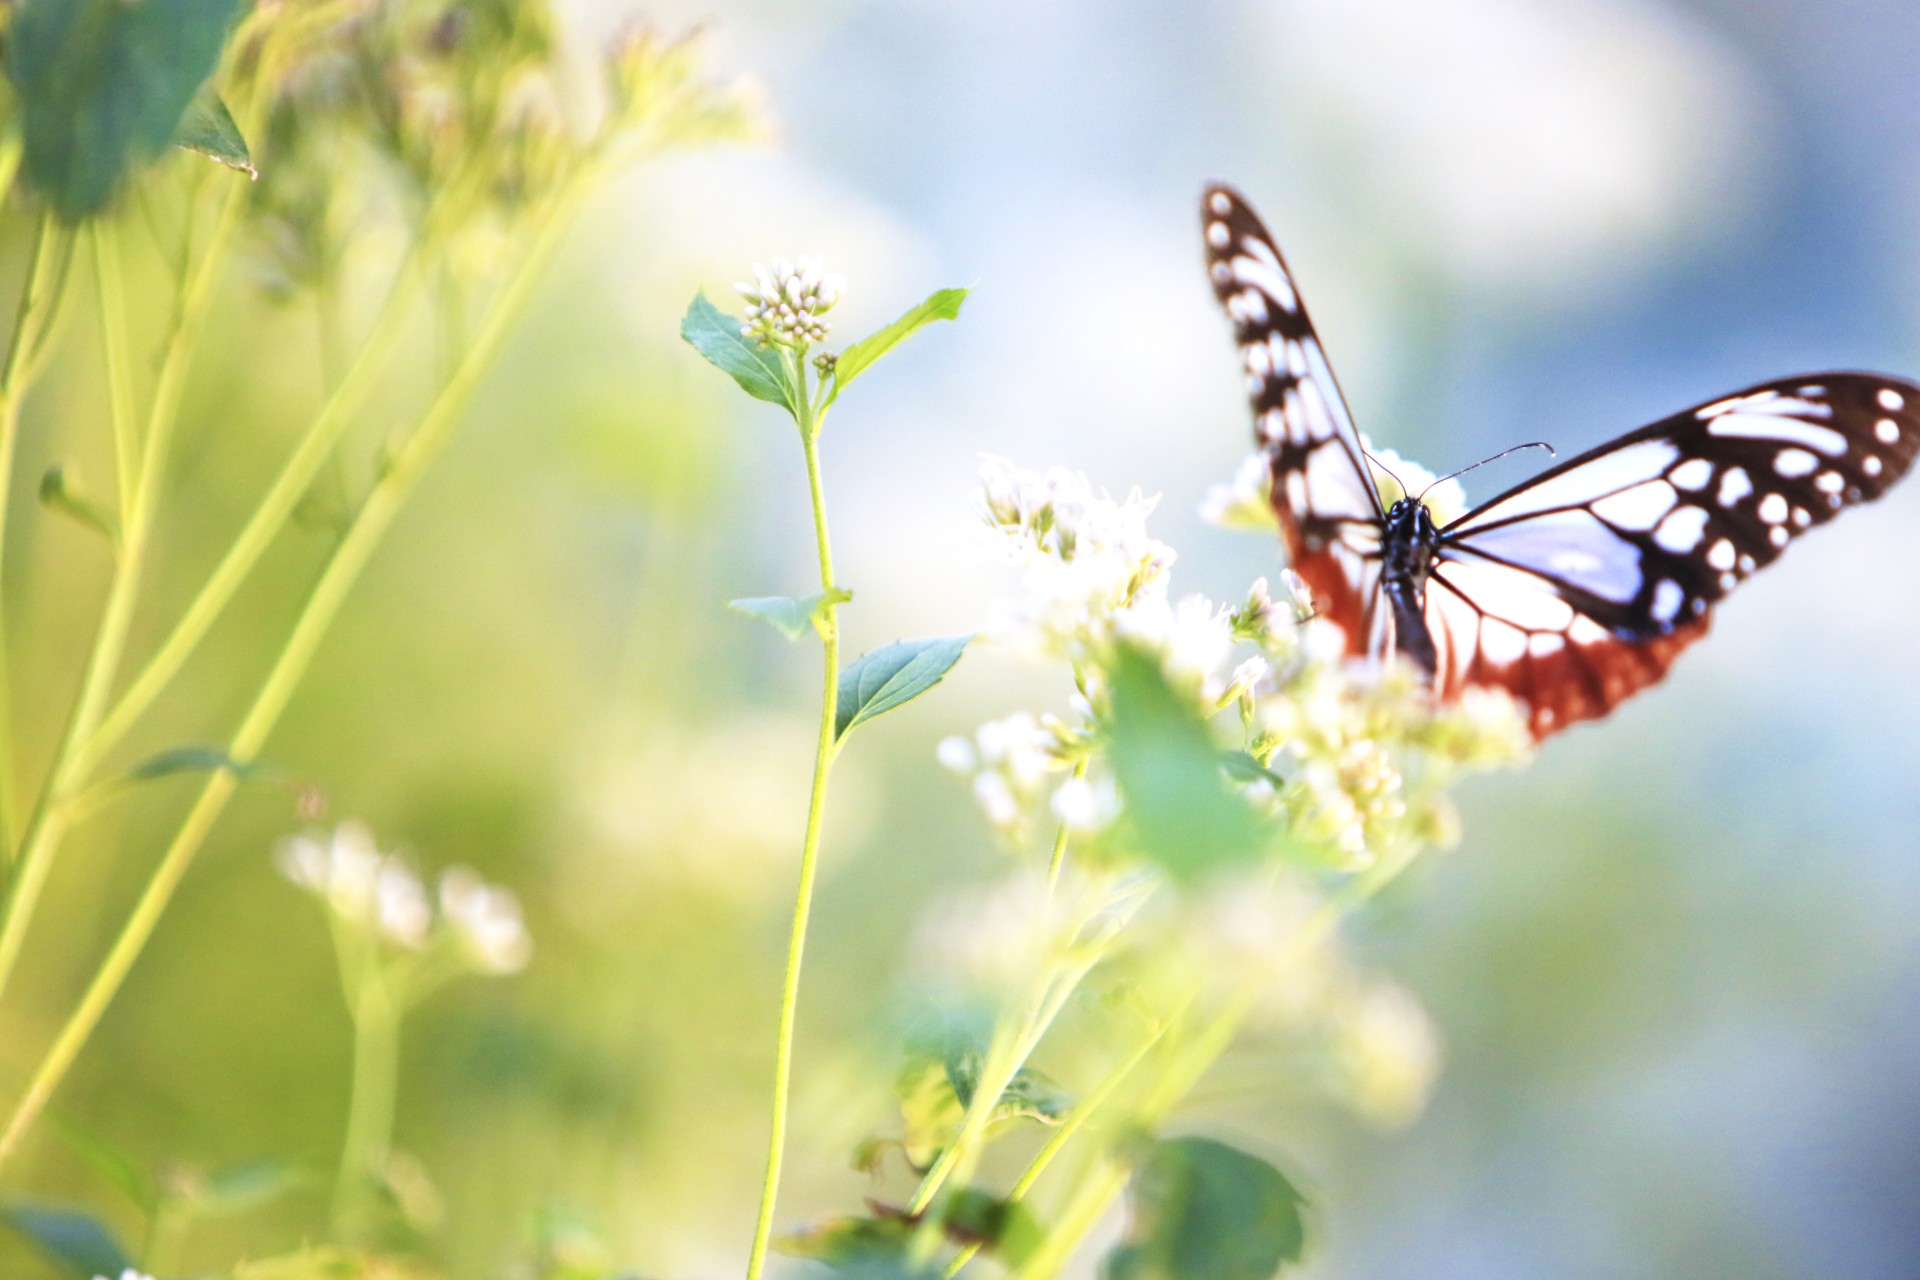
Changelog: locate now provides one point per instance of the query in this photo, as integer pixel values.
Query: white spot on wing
(1267, 279)
(1682, 530)
(1754, 426)
(1667, 599)
(1693, 474)
(1501, 643)
(1793, 463)
(1218, 235)
(1546, 644)
(1220, 203)
(1830, 482)
(1608, 473)
(1887, 430)
(1586, 631)
(1721, 555)
(1521, 598)
(1777, 536)
(1890, 400)
(1570, 545)
(1734, 485)
(1773, 508)
(1871, 465)
(1639, 508)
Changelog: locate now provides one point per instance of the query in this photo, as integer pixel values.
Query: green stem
(268, 519)
(1058, 861)
(825, 748)
(29, 328)
(140, 494)
(114, 338)
(1069, 1129)
(370, 1109)
(349, 558)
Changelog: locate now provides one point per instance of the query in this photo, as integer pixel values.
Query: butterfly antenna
(1531, 444)
(1389, 470)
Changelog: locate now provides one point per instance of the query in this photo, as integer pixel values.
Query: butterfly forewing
(1579, 587)
(1328, 509)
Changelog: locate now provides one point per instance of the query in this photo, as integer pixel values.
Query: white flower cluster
(380, 893)
(786, 300)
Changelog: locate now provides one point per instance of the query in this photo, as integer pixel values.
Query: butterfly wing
(1578, 588)
(1329, 510)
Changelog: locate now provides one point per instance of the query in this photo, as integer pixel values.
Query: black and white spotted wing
(1329, 511)
(1579, 587)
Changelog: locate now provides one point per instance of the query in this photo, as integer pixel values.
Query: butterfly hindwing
(1329, 511)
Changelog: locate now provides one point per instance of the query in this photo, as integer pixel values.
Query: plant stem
(376, 514)
(268, 519)
(29, 329)
(1058, 861)
(370, 1109)
(825, 748)
(1070, 1128)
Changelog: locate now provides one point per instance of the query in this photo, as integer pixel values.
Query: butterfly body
(1572, 590)
(1409, 546)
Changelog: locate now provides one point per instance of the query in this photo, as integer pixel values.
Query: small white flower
(1246, 501)
(128, 1274)
(401, 911)
(1084, 806)
(957, 754)
(486, 919)
(786, 300)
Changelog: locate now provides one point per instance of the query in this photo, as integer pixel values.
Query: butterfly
(1579, 587)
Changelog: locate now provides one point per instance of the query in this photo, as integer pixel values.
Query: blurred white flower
(359, 884)
(1390, 1052)
(786, 300)
(1009, 760)
(1083, 554)
(1246, 501)
(1194, 638)
(1084, 805)
(486, 921)
(127, 1274)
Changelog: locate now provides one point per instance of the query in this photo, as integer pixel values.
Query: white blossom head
(785, 301)
(485, 921)
(1082, 554)
(1245, 501)
(359, 884)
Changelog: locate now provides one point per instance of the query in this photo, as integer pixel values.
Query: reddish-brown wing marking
(1579, 587)
(1322, 492)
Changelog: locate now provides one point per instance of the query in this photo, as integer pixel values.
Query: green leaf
(1242, 767)
(761, 371)
(242, 1188)
(1176, 801)
(790, 617)
(103, 85)
(891, 676)
(1205, 1211)
(841, 1242)
(194, 760)
(209, 128)
(851, 363)
(115, 1167)
(78, 1243)
(970, 1216)
(60, 492)
(1029, 1095)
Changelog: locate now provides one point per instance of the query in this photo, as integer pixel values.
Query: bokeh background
(1676, 962)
